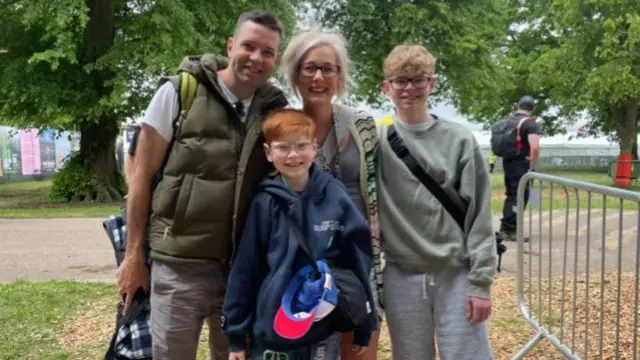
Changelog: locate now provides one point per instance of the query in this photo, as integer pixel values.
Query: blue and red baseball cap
(305, 301)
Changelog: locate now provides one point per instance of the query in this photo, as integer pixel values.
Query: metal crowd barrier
(578, 275)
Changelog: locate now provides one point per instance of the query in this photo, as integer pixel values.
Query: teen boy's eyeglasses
(420, 82)
(283, 149)
(310, 70)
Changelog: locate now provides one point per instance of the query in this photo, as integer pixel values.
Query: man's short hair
(284, 122)
(409, 60)
(260, 17)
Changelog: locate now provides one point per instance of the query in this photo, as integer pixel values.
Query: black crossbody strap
(403, 153)
(458, 215)
(301, 241)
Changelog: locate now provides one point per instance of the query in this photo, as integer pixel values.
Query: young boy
(269, 292)
(438, 273)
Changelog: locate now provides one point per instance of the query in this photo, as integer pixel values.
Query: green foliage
(72, 181)
(529, 35)
(89, 65)
(576, 57)
(57, 49)
(595, 65)
(597, 58)
(463, 35)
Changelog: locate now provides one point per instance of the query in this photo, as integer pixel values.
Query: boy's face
(409, 92)
(292, 155)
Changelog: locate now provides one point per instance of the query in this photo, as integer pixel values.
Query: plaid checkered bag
(132, 337)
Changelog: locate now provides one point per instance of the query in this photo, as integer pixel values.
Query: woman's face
(319, 76)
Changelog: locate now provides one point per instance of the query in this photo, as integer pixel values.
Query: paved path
(69, 249)
(551, 232)
(61, 249)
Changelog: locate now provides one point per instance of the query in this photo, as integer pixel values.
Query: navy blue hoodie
(268, 253)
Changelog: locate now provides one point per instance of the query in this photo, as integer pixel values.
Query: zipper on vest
(239, 172)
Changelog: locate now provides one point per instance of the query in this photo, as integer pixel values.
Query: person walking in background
(516, 140)
(439, 267)
(316, 65)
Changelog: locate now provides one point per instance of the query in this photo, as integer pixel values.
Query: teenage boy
(299, 203)
(438, 273)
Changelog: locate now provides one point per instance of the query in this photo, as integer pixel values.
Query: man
(439, 267)
(197, 209)
(516, 166)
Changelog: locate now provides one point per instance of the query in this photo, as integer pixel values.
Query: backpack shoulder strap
(400, 149)
(518, 131)
(186, 85)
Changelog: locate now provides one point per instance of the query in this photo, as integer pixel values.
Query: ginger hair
(283, 122)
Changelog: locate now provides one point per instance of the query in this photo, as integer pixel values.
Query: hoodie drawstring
(424, 284)
(272, 355)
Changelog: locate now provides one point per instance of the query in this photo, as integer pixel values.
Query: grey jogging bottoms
(420, 306)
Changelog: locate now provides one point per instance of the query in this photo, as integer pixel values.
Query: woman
(316, 65)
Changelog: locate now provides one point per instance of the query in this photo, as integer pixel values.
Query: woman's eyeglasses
(310, 70)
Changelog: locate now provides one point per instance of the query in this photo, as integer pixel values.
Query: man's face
(292, 155)
(253, 53)
(409, 92)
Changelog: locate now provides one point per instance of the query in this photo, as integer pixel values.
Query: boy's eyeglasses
(310, 70)
(420, 82)
(282, 148)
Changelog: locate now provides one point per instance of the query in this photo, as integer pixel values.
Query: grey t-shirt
(349, 165)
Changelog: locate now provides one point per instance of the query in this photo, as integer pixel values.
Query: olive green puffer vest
(214, 166)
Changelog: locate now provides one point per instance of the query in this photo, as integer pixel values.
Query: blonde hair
(304, 42)
(406, 60)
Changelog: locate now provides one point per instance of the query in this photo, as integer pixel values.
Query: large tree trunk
(97, 151)
(627, 115)
(97, 143)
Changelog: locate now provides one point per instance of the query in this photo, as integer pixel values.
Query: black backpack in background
(506, 141)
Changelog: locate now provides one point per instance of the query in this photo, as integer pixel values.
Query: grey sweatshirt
(418, 232)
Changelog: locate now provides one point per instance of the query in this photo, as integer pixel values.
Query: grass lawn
(562, 199)
(74, 320)
(31, 199)
(34, 316)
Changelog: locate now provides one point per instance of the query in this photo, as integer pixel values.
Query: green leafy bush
(73, 182)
